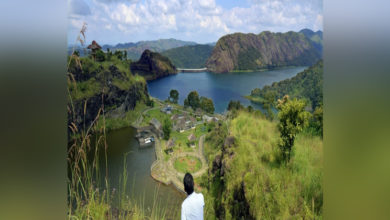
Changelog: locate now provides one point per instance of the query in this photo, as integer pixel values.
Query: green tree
(234, 105)
(125, 54)
(109, 54)
(207, 105)
(318, 119)
(167, 128)
(118, 54)
(192, 100)
(268, 103)
(292, 119)
(100, 56)
(174, 96)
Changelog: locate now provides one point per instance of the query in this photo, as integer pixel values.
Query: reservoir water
(221, 88)
(140, 185)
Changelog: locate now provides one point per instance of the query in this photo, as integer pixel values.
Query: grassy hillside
(109, 83)
(247, 179)
(306, 85)
(240, 51)
(193, 56)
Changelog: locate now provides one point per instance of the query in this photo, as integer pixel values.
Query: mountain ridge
(239, 51)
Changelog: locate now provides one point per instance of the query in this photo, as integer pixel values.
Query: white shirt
(192, 207)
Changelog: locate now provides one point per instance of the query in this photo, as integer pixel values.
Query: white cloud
(197, 20)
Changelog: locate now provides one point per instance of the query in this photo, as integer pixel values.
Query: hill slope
(192, 56)
(92, 82)
(266, 50)
(307, 85)
(246, 179)
(153, 65)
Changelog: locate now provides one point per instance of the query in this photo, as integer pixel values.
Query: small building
(94, 47)
(167, 109)
(207, 118)
(191, 139)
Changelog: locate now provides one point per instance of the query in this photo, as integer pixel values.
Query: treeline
(193, 56)
(193, 101)
(305, 85)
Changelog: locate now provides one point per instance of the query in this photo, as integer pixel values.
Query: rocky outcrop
(152, 66)
(235, 52)
(98, 87)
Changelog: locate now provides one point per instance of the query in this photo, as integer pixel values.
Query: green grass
(181, 143)
(273, 190)
(187, 164)
(154, 113)
(85, 89)
(121, 122)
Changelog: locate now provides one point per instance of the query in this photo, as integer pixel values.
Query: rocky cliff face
(94, 87)
(153, 65)
(266, 50)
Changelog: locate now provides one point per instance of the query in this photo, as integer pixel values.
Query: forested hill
(238, 51)
(135, 50)
(307, 85)
(192, 56)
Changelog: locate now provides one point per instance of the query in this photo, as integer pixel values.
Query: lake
(221, 88)
(141, 186)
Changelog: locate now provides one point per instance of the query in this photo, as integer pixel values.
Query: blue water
(221, 88)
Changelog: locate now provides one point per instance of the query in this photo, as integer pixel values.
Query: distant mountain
(193, 56)
(314, 37)
(152, 65)
(307, 84)
(238, 51)
(134, 50)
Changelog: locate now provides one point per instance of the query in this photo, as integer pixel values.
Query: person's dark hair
(188, 183)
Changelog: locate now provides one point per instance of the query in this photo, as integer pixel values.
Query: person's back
(192, 206)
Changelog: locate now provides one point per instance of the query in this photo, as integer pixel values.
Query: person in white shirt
(192, 206)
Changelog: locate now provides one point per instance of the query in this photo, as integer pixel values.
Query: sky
(201, 21)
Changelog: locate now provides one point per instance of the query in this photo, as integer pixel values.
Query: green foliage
(192, 56)
(100, 56)
(317, 120)
(150, 102)
(234, 105)
(292, 119)
(207, 105)
(305, 85)
(119, 54)
(174, 96)
(167, 128)
(192, 100)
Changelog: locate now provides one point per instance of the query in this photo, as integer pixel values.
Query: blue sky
(202, 21)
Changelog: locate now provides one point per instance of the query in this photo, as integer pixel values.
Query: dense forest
(305, 85)
(193, 56)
